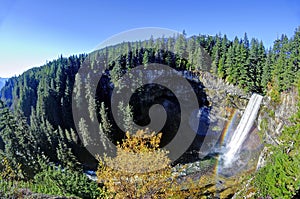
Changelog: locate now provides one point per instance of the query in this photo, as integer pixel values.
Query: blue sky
(32, 31)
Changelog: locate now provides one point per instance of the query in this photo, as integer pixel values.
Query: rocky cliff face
(274, 116)
(272, 119)
(222, 95)
(224, 100)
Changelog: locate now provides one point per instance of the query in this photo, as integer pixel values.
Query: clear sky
(34, 31)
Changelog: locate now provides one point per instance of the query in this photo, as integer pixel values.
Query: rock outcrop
(272, 119)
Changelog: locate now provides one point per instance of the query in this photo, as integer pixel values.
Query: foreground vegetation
(50, 181)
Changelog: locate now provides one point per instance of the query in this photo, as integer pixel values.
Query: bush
(51, 180)
(58, 181)
(279, 178)
(274, 93)
(139, 170)
(9, 178)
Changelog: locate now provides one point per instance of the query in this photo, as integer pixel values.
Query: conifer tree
(84, 132)
(266, 74)
(106, 125)
(244, 80)
(180, 46)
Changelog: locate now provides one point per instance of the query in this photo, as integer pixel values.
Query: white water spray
(240, 134)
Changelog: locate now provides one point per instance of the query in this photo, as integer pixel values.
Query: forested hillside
(240, 62)
(36, 119)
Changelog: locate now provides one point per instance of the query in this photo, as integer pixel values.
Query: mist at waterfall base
(228, 145)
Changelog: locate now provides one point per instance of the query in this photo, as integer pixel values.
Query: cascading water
(240, 134)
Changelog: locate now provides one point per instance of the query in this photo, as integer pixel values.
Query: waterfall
(240, 134)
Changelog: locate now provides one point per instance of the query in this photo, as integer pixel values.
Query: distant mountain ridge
(2, 82)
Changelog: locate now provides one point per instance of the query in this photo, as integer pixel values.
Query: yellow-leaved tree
(140, 169)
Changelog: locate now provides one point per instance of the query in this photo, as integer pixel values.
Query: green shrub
(280, 177)
(52, 181)
(272, 113)
(57, 181)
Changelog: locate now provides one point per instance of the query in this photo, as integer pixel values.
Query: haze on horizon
(33, 32)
